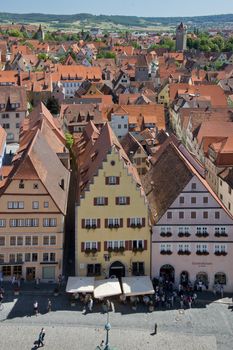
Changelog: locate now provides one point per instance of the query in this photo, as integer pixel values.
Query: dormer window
(21, 184)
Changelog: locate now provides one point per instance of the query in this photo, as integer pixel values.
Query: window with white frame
(112, 180)
(186, 230)
(220, 248)
(184, 247)
(135, 221)
(91, 222)
(202, 247)
(113, 221)
(181, 229)
(35, 205)
(49, 222)
(90, 245)
(15, 205)
(122, 200)
(223, 230)
(2, 222)
(217, 230)
(138, 244)
(115, 244)
(201, 229)
(165, 247)
(100, 200)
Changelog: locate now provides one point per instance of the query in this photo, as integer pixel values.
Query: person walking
(49, 306)
(35, 307)
(90, 304)
(41, 338)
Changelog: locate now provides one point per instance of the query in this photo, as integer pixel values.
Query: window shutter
(99, 246)
(82, 246)
(105, 246)
(106, 181)
(117, 180)
(126, 245)
(98, 223)
(127, 200)
(117, 200)
(106, 200)
(121, 222)
(128, 222)
(130, 245)
(95, 201)
(106, 223)
(145, 244)
(83, 223)
(143, 222)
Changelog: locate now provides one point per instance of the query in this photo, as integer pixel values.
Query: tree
(53, 105)
(69, 140)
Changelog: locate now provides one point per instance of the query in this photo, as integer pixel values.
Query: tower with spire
(40, 33)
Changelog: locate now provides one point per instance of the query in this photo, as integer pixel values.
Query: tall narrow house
(112, 227)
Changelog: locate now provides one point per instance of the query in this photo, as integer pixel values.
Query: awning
(80, 285)
(107, 288)
(140, 285)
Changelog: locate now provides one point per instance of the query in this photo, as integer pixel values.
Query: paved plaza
(207, 327)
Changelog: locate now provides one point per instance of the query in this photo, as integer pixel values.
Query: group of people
(36, 306)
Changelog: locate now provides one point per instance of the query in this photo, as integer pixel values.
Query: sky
(146, 8)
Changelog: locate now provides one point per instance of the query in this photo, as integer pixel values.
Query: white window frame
(90, 245)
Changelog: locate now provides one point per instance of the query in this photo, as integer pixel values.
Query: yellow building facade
(112, 225)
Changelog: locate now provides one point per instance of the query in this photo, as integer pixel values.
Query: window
(52, 257)
(19, 257)
(93, 269)
(46, 240)
(15, 205)
(221, 196)
(220, 248)
(135, 221)
(229, 206)
(181, 200)
(194, 186)
(223, 230)
(169, 215)
(122, 200)
(35, 186)
(138, 244)
(115, 244)
(1, 258)
(28, 240)
(27, 257)
(21, 184)
(34, 240)
(19, 240)
(2, 223)
(138, 268)
(113, 222)
(12, 240)
(193, 215)
(91, 223)
(35, 205)
(184, 247)
(52, 222)
(205, 200)
(17, 115)
(31, 222)
(119, 126)
(100, 201)
(202, 247)
(17, 125)
(205, 214)
(112, 180)
(181, 214)
(46, 204)
(220, 278)
(165, 247)
(2, 241)
(6, 270)
(193, 200)
(217, 215)
(12, 257)
(229, 189)
(6, 126)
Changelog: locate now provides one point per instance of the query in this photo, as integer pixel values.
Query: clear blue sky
(152, 8)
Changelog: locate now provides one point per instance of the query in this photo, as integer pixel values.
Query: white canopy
(80, 285)
(140, 285)
(107, 288)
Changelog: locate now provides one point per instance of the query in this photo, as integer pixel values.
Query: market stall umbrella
(140, 285)
(107, 288)
(80, 285)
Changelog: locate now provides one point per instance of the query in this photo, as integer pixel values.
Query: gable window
(100, 201)
(122, 200)
(194, 186)
(2, 223)
(205, 214)
(181, 200)
(193, 200)
(205, 200)
(169, 215)
(181, 214)
(49, 222)
(46, 204)
(15, 205)
(35, 205)
(217, 215)
(112, 180)
(193, 215)
(2, 240)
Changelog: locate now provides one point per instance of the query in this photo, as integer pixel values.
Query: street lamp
(106, 346)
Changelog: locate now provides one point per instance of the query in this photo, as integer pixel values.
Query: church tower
(40, 33)
(181, 37)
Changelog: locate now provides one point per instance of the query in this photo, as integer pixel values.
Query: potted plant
(133, 225)
(110, 249)
(88, 227)
(181, 234)
(122, 249)
(139, 225)
(169, 252)
(116, 249)
(94, 226)
(87, 251)
(110, 225)
(140, 249)
(135, 249)
(94, 250)
(169, 234)
(162, 234)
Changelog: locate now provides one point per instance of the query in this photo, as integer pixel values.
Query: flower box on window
(110, 249)
(88, 226)
(133, 225)
(122, 249)
(94, 250)
(116, 225)
(94, 226)
(110, 226)
(180, 234)
(187, 234)
(139, 225)
(87, 250)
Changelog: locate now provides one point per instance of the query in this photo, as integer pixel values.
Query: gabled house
(112, 234)
(192, 232)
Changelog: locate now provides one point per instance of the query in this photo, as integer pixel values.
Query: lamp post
(106, 346)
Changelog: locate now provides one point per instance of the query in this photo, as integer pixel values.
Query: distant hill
(126, 21)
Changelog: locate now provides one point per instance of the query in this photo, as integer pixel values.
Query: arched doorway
(117, 269)
(184, 278)
(220, 278)
(167, 273)
(202, 279)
